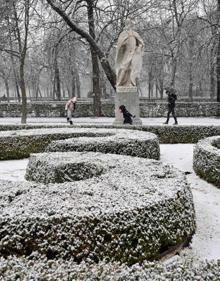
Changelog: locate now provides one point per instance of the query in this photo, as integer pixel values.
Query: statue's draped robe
(129, 58)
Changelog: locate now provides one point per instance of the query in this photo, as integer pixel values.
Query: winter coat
(127, 117)
(71, 105)
(172, 97)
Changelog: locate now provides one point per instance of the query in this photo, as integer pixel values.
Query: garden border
(20, 144)
(206, 159)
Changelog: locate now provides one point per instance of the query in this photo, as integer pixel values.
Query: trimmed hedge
(13, 127)
(166, 134)
(206, 159)
(182, 133)
(19, 144)
(85, 108)
(23, 268)
(128, 209)
(125, 142)
(171, 134)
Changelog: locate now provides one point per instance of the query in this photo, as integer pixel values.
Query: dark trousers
(171, 109)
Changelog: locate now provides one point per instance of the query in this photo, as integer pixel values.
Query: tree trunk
(191, 46)
(103, 86)
(57, 79)
(218, 57)
(212, 80)
(150, 83)
(156, 90)
(173, 73)
(73, 85)
(96, 89)
(212, 71)
(7, 89)
(218, 69)
(23, 94)
(57, 86)
(78, 85)
(110, 74)
(16, 82)
(161, 88)
(96, 84)
(13, 65)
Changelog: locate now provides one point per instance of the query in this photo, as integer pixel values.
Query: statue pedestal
(127, 96)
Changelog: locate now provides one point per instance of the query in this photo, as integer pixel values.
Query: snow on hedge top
(123, 133)
(126, 182)
(50, 270)
(210, 144)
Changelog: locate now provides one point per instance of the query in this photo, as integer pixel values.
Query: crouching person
(126, 115)
(70, 108)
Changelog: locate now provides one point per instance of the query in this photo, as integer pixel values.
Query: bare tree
(19, 22)
(101, 55)
(218, 53)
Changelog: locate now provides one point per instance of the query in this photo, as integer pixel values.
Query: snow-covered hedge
(19, 144)
(172, 134)
(206, 159)
(125, 142)
(14, 268)
(166, 134)
(129, 210)
(13, 127)
(63, 167)
(182, 133)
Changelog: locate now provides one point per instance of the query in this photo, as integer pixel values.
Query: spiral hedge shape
(20, 143)
(125, 142)
(123, 208)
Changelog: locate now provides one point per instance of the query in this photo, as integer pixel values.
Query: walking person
(70, 108)
(171, 98)
(126, 115)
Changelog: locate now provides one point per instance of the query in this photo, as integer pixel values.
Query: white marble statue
(129, 54)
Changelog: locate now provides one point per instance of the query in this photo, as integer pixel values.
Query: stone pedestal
(127, 96)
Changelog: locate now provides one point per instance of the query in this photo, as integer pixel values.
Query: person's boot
(176, 123)
(67, 119)
(71, 122)
(166, 122)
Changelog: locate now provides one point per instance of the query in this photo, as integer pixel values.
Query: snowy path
(206, 241)
(109, 121)
(13, 170)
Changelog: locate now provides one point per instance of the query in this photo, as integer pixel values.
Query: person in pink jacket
(70, 108)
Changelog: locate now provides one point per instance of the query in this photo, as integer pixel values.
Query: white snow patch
(110, 120)
(13, 170)
(206, 241)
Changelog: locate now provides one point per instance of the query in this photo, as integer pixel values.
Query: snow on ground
(107, 120)
(206, 241)
(13, 170)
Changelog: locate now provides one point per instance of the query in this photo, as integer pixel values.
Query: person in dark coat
(171, 98)
(126, 115)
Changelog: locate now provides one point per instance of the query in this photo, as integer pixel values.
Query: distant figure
(126, 115)
(70, 108)
(171, 98)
